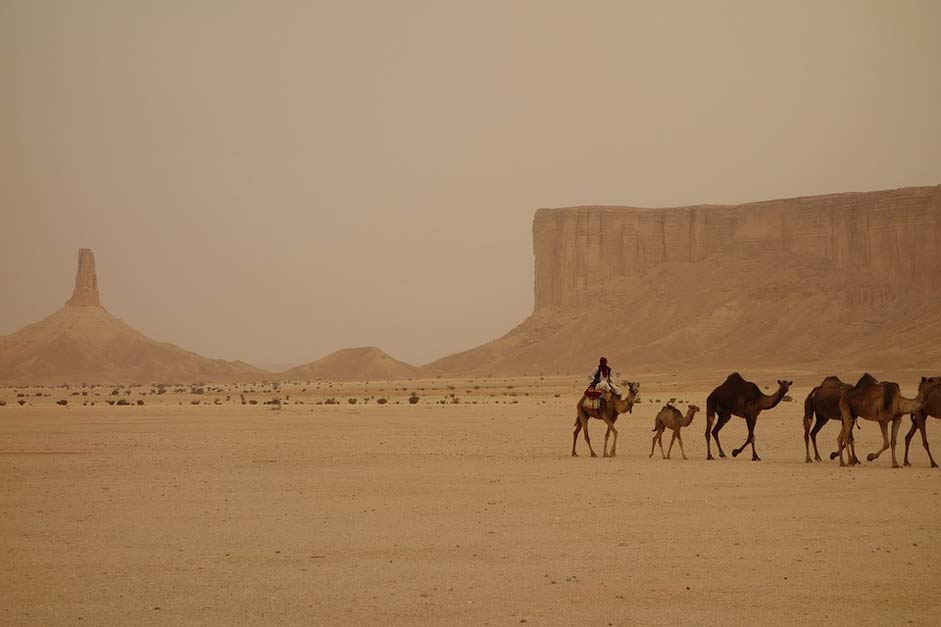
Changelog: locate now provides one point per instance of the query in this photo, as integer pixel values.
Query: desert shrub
(194, 402)
(351, 401)
(3, 403)
(198, 390)
(381, 401)
(413, 398)
(253, 402)
(140, 402)
(114, 392)
(123, 401)
(63, 402)
(21, 402)
(787, 398)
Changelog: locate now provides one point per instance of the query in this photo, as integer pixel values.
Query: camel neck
(769, 402)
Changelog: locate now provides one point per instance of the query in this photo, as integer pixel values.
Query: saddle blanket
(591, 403)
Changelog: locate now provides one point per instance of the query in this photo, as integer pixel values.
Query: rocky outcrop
(86, 282)
(849, 280)
(889, 235)
(83, 342)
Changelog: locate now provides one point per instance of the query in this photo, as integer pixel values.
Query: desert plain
(463, 508)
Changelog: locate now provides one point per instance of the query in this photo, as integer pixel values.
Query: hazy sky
(273, 181)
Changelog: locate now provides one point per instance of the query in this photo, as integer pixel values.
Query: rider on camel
(600, 378)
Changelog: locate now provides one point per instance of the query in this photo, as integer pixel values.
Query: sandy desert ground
(461, 513)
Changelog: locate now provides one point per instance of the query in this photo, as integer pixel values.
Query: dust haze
(272, 182)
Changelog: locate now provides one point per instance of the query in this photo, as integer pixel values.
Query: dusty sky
(273, 181)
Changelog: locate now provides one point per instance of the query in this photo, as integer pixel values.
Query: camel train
(832, 400)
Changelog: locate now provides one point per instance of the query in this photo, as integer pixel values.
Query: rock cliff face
(844, 281)
(83, 342)
(888, 235)
(86, 281)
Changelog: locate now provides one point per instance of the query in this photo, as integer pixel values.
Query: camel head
(928, 385)
(625, 404)
(784, 386)
(692, 409)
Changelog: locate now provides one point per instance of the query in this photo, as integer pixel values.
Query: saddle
(595, 399)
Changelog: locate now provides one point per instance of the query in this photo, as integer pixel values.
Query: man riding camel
(600, 378)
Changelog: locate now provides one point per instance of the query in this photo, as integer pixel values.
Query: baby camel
(671, 418)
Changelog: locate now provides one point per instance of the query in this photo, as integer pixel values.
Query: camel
(824, 401)
(738, 397)
(882, 402)
(671, 418)
(613, 406)
(932, 408)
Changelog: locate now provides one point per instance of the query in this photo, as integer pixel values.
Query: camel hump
(832, 381)
(735, 377)
(867, 379)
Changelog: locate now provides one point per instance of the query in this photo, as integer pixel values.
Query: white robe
(604, 384)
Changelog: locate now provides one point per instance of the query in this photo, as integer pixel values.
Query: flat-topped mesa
(891, 235)
(86, 281)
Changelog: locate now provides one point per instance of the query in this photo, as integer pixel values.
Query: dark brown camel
(882, 402)
(932, 408)
(738, 397)
(824, 401)
(613, 406)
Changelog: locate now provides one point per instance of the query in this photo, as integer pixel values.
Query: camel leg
(670, 448)
(852, 444)
(587, 439)
(813, 437)
(578, 427)
(715, 432)
(653, 444)
(896, 423)
(607, 434)
(709, 420)
(908, 439)
(885, 442)
(750, 439)
(807, 439)
(841, 442)
(924, 441)
(679, 438)
(613, 431)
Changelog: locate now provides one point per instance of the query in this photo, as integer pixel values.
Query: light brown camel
(671, 418)
(932, 408)
(738, 397)
(613, 406)
(882, 402)
(824, 401)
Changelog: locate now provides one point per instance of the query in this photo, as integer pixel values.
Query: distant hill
(83, 342)
(366, 363)
(846, 281)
